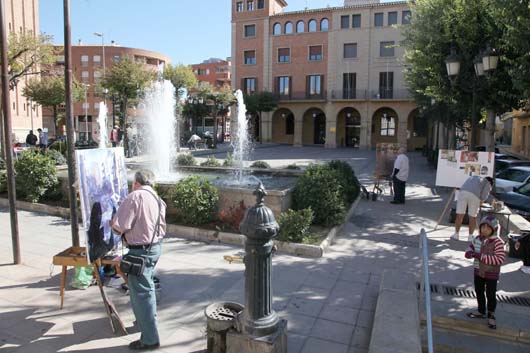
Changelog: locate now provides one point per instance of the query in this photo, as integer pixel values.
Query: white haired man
(400, 176)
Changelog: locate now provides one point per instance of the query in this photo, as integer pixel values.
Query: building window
(249, 85)
(312, 26)
(388, 125)
(350, 50)
(356, 21)
(84, 60)
(315, 53)
(261, 4)
(239, 6)
(250, 5)
(289, 28)
(277, 29)
(324, 25)
(284, 84)
(86, 106)
(97, 60)
(300, 27)
(314, 86)
(84, 76)
(378, 19)
(344, 22)
(386, 49)
(289, 124)
(284, 55)
(116, 59)
(392, 18)
(405, 17)
(349, 85)
(97, 76)
(386, 85)
(250, 57)
(250, 31)
(96, 106)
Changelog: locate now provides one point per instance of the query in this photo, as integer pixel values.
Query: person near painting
(31, 139)
(400, 176)
(141, 220)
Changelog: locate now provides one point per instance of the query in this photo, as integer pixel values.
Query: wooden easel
(449, 201)
(76, 256)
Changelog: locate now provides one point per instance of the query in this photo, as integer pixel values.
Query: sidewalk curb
(465, 326)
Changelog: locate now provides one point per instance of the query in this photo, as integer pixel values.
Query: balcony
(349, 94)
(393, 94)
(301, 96)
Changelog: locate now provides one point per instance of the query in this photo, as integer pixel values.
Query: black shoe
(139, 346)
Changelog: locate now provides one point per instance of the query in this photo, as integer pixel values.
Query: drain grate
(467, 293)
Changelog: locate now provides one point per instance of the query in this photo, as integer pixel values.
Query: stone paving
(329, 302)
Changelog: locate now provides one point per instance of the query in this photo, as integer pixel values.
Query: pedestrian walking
(114, 136)
(487, 250)
(473, 192)
(43, 140)
(141, 220)
(400, 176)
(31, 139)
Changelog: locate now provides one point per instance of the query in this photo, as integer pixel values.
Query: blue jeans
(143, 297)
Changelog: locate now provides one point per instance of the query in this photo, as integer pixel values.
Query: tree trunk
(2, 142)
(490, 128)
(55, 120)
(125, 134)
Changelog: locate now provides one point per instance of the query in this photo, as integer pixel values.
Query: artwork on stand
(454, 167)
(385, 155)
(102, 186)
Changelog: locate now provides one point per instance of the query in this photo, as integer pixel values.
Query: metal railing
(349, 94)
(425, 287)
(298, 96)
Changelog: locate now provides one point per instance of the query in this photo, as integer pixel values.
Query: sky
(186, 31)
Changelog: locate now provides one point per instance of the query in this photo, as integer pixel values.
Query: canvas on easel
(102, 187)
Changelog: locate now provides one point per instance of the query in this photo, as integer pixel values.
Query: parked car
(511, 178)
(502, 164)
(518, 200)
(505, 156)
(19, 148)
(484, 149)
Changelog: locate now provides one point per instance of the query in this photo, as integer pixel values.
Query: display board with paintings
(455, 167)
(102, 186)
(385, 155)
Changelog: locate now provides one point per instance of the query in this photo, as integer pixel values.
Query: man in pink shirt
(141, 220)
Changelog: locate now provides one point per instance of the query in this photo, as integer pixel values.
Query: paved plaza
(329, 302)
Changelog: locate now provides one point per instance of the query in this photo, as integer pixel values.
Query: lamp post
(86, 85)
(484, 65)
(98, 34)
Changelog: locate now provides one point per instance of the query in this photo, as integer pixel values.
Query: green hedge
(56, 156)
(195, 200)
(295, 225)
(211, 161)
(347, 179)
(186, 159)
(35, 175)
(260, 165)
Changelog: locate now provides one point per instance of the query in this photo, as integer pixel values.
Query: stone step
(449, 313)
(446, 341)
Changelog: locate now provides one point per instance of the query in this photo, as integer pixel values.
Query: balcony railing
(348, 94)
(384, 93)
(396, 94)
(300, 96)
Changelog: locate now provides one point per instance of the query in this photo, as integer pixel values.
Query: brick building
(22, 16)
(214, 71)
(337, 72)
(88, 69)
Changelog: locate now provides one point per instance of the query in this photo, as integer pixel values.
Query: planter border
(211, 236)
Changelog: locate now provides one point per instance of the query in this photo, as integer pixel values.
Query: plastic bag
(83, 277)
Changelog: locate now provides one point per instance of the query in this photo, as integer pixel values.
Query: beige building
(337, 72)
(521, 131)
(22, 16)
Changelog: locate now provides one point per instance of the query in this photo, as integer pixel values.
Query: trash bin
(220, 317)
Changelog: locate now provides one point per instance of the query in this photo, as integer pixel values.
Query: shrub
(293, 167)
(56, 156)
(294, 225)
(195, 200)
(59, 146)
(2, 164)
(229, 161)
(260, 165)
(231, 219)
(211, 161)
(319, 189)
(3, 181)
(186, 159)
(347, 179)
(35, 174)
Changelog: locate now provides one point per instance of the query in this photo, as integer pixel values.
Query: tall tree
(127, 80)
(50, 92)
(181, 76)
(469, 27)
(260, 103)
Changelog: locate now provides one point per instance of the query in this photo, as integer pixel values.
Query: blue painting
(102, 187)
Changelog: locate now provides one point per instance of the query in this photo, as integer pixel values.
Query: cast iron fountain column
(259, 226)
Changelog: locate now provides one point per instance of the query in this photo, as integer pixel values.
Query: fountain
(160, 105)
(102, 124)
(241, 143)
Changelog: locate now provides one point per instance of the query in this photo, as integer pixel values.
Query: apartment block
(214, 71)
(337, 72)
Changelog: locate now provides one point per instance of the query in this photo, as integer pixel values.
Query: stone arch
(314, 127)
(348, 128)
(385, 122)
(283, 126)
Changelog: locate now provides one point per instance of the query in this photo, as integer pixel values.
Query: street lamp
(98, 34)
(86, 85)
(483, 64)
